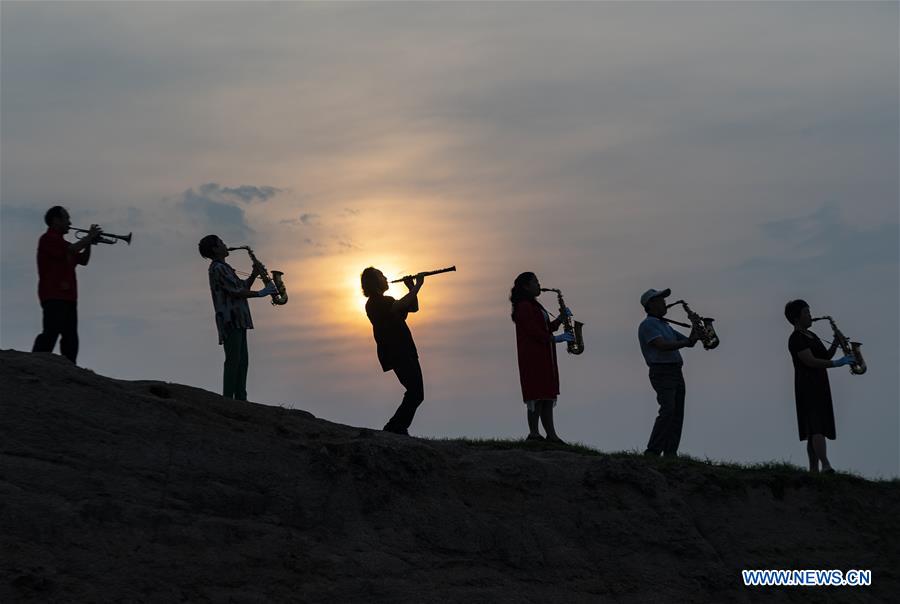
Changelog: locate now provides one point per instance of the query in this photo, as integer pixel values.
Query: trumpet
(702, 326)
(858, 367)
(426, 274)
(108, 238)
(278, 298)
(569, 326)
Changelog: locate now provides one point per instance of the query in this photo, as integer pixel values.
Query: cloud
(336, 245)
(306, 219)
(229, 220)
(329, 237)
(21, 214)
(346, 244)
(218, 207)
(243, 193)
(822, 240)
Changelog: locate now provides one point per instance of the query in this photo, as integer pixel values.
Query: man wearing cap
(659, 345)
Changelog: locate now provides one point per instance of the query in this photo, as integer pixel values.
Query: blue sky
(743, 154)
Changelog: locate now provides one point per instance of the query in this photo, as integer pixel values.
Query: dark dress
(815, 414)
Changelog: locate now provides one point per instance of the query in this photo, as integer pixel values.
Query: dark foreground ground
(154, 492)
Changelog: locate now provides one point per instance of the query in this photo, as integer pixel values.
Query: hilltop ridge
(147, 491)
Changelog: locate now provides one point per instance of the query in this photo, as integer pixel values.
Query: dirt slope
(146, 491)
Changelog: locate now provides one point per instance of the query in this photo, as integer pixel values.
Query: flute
(426, 274)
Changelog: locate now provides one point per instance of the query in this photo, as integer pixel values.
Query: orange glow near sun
(389, 265)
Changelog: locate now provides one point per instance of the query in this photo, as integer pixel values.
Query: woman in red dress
(536, 347)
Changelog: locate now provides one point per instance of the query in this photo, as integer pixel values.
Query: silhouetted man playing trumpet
(57, 286)
(396, 349)
(659, 345)
(229, 297)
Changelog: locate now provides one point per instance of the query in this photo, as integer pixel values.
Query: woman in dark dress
(536, 348)
(815, 414)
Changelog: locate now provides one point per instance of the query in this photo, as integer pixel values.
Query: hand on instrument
(267, 291)
(845, 360)
(564, 337)
(413, 282)
(94, 233)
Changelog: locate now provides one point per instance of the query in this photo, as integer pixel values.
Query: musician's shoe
(535, 437)
(393, 430)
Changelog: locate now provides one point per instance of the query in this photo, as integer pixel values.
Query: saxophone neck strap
(674, 322)
(545, 310)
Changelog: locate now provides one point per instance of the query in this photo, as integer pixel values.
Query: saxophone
(570, 326)
(277, 299)
(702, 326)
(858, 367)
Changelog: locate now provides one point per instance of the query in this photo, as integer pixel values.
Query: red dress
(538, 371)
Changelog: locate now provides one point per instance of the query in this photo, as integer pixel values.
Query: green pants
(234, 384)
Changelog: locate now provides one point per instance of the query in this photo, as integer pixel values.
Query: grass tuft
(759, 471)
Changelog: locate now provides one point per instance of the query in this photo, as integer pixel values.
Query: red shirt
(56, 268)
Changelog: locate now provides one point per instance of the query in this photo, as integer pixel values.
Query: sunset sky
(742, 154)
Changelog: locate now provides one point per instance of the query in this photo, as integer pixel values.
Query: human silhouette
(536, 352)
(57, 285)
(660, 344)
(394, 342)
(812, 391)
(229, 298)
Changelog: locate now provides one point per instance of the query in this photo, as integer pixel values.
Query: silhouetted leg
(666, 392)
(678, 417)
(240, 388)
(819, 446)
(533, 417)
(410, 375)
(547, 420)
(52, 325)
(811, 453)
(232, 346)
(68, 343)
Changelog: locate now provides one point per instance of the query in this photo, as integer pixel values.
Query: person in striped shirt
(229, 298)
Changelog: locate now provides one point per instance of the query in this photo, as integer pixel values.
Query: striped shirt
(231, 312)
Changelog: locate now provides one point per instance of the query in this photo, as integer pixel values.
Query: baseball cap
(654, 293)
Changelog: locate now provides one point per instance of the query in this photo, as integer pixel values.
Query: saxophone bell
(569, 325)
(702, 326)
(281, 297)
(858, 366)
